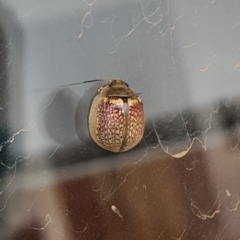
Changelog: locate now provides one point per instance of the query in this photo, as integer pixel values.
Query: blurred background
(181, 181)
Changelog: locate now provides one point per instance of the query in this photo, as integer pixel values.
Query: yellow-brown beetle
(116, 118)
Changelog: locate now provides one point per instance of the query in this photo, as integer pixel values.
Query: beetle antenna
(88, 81)
(98, 80)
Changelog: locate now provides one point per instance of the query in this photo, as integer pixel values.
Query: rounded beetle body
(116, 118)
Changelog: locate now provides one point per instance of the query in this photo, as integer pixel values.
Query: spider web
(181, 181)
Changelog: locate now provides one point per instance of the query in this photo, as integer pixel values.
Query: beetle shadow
(58, 121)
(81, 116)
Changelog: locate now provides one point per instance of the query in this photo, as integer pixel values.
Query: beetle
(116, 119)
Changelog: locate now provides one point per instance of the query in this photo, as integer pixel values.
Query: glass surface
(181, 181)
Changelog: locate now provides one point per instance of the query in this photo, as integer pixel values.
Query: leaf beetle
(116, 119)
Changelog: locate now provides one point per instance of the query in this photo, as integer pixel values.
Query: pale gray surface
(177, 54)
